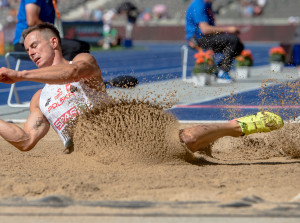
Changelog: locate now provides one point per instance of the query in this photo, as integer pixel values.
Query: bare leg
(198, 137)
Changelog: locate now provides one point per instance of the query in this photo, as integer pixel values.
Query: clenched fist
(8, 76)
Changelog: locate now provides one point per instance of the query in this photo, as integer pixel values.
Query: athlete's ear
(54, 42)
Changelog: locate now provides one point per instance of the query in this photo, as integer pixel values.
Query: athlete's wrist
(21, 75)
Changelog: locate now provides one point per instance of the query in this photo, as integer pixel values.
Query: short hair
(45, 28)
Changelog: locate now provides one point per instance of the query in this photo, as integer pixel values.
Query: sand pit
(145, 161)
(128, 132)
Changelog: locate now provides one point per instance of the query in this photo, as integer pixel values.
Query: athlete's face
(40, 49)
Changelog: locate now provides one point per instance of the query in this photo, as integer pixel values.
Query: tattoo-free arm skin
(32, 14)
(84, 67)
(35, 128)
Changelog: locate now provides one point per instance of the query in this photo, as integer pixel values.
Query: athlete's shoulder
(83, 56)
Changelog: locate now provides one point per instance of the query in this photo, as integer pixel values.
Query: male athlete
(70, 84)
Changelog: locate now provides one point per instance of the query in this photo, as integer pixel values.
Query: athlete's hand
(8, 76)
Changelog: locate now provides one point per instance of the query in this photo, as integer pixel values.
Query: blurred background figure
(160, 11)
(33, 12)
(132, 13)
(251, 8)
(111, 39)
(4, 3)
(108, 34)
(202, 33)
(87, 14)
(260, 5)
(97, 14)
(146, 15)
(247, 8)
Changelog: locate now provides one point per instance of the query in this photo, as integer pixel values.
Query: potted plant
(277, 58)
(204, 67)
(243, 63)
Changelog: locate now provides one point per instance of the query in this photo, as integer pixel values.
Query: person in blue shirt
(202, 32)
(34, 12)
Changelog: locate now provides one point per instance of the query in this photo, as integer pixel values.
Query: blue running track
(282, 99)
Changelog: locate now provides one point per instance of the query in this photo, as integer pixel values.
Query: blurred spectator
(4, 3)
(107, 20)
(247, 8)
(294, 20)
(132, 13)
(250, 8)
(160, 11)
(87, 14)
(259, 7)
(261, 3)
(111, 39)
(12, 17)
(202, 33)
(97, 14)
(33, 12)
(130, 10)
(145, 15)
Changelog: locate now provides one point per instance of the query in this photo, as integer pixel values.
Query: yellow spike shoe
(261, 122)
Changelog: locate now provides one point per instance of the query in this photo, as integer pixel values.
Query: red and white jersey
(60, 103)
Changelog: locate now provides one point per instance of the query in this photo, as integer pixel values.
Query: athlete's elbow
(25, 147)
(85, 70)
(75, 74)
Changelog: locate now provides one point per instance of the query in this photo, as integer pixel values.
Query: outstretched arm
(36, 127)
(84, 67)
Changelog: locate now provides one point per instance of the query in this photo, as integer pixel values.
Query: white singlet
(60, 103)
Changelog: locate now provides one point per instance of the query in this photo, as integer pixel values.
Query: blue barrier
(296, 54)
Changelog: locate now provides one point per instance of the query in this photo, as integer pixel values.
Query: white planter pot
(242, 72)
(202, 79)
(276, 66)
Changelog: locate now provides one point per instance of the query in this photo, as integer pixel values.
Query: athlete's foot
(261, 122)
